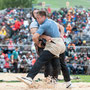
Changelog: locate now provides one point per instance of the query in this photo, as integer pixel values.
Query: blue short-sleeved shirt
(49, 28)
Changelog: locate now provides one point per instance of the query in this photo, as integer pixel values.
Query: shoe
(26, 80)
(68, 84)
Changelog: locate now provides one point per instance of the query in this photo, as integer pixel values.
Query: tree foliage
(16, 3)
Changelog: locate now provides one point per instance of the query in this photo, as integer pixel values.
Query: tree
(16, 3)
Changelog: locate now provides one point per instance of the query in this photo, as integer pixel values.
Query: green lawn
(55, 4)
(83, 78)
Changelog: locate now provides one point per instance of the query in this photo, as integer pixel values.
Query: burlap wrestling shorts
(56, 47)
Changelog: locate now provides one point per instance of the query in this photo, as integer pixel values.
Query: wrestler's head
(41, 16)
(34, 13)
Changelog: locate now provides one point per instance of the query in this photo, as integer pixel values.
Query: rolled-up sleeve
(41, 30)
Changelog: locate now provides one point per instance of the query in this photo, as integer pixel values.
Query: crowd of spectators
(76, 24)
(15, 31)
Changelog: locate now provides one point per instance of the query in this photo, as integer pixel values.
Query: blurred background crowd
(15, 34)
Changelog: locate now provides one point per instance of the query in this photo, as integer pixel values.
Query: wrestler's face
(35, 13)
(40, 19)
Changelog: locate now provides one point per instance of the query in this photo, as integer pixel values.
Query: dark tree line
(16, 3)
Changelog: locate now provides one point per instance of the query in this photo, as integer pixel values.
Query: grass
(83, 78)
(56, 4)
(13, 81)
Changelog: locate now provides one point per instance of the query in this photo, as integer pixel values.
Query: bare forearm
(36, 39)
(47, 38)
(44, 36)
(61, 29)
(12, 57)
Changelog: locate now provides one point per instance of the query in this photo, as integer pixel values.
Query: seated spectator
(15, 36)
(69, 28)
(5, 50)
(3, 33)
(2, 63)
(29, 61)
(69, 16)
(9, 55)
(88, 69)
(86, 63)
(26, 23)
(7, 65)
(71, 45)
(23, 65)
(74, 68)
(17, 24)
(71, 52)
(80, 70)
(79, 42)
(84, 43)
(6, 57)
(70, 68)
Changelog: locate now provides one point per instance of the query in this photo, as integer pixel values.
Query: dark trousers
(44, 58)
(15, 66)
(64, 68)
(52, 68)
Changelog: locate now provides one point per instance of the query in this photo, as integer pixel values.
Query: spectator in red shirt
(17, 24)
(7, 65)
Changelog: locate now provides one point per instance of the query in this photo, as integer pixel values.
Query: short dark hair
(42, 13)
(16, 47)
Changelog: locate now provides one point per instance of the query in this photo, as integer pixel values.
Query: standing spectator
(11, 46)
(15, 55)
